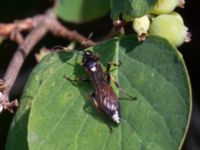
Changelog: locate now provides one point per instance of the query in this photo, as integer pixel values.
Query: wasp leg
(77, 79)
(94, 100)
(109, 77)
(122, 90)
(114, 64)
(108, 69)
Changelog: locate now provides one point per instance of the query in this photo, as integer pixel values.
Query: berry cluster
(163, 21)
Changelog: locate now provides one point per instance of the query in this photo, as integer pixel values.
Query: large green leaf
(62, 116)
(132, 8)
(79, 11)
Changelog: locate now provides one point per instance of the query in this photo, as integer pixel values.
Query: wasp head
(90, 60)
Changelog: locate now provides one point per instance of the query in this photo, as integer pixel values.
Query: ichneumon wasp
(104, 96)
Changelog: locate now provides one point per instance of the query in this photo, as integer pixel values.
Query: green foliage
(79, 11)
(133, 8)
(58, 114)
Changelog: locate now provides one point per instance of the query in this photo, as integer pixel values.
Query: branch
(17, 61)
(59, 30)
(39, 26)
(6, 29)
(12, 30)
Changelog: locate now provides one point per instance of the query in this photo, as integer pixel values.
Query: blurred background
(12, 10)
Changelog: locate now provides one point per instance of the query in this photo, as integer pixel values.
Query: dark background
(12, 10)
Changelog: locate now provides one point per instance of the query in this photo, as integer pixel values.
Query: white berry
(170, 27)
(141, 26)
(166, 6)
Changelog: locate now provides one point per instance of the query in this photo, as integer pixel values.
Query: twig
(6, 29)
(53, 25)
(39, 26)
(59, 30)
(18, 59)
(12, 30)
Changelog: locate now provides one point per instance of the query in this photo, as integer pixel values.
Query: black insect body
(104, 96)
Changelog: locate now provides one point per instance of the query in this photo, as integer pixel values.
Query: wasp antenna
(68, 48)
(79, 52)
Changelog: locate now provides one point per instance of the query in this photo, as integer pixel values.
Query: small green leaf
(62, 116)
(133, 8)
(80, 11)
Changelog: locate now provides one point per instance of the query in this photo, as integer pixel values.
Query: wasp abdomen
(112, 110)
(108, 102)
